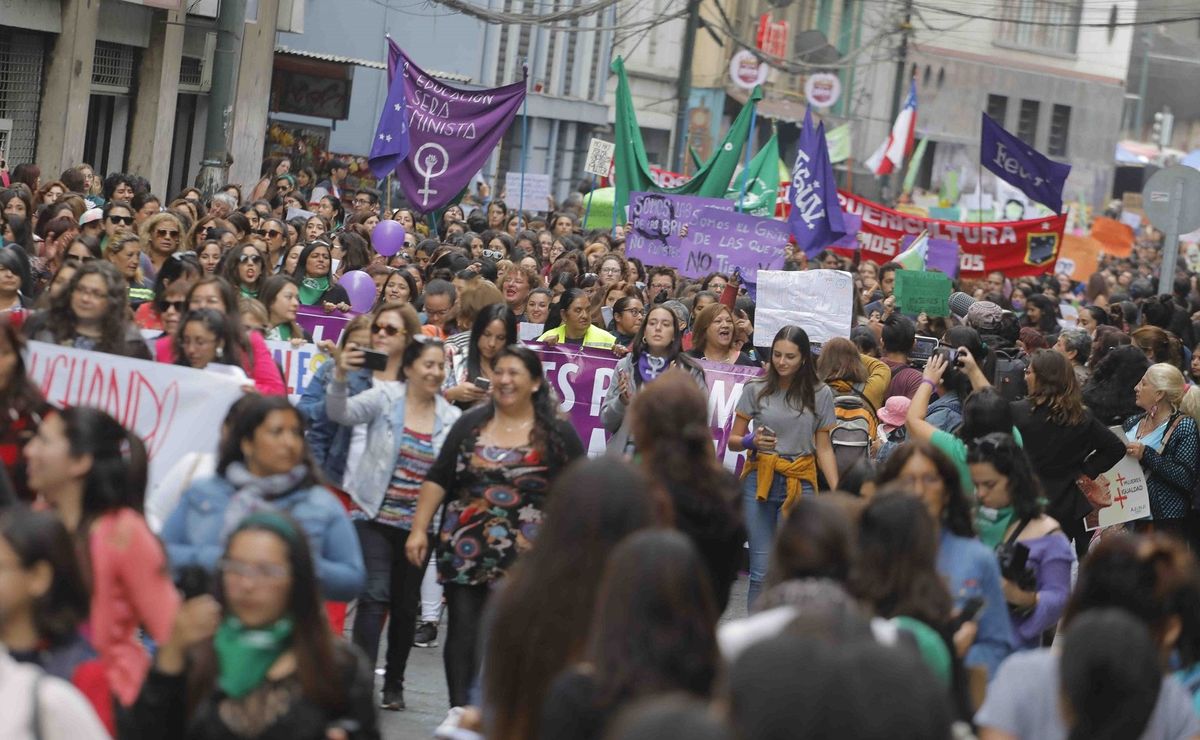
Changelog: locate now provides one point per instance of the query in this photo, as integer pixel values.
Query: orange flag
(1115, 237)
(1079, 256)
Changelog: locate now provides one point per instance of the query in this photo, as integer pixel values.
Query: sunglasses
(271, 233)
(121, 220)
(78, 259)
(179, 306)
(254, 258)
(492, 254)
(166, 233)
(391, 331)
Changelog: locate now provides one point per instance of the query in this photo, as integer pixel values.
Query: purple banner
(322, 325)
(721, 240)
(655, 221)
(816, 217)
(581, 378)
(451, 131)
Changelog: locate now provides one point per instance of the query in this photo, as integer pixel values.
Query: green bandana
(247, 293)
(311, 290)
(992, 524)
(244, 655)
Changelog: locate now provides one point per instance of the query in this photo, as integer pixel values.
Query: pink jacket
(131, 588)
(267, 378)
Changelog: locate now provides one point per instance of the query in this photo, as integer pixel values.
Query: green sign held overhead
(923, 292)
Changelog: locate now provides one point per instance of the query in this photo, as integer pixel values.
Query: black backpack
(1008, 376)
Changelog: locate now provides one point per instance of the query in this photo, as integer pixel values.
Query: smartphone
(970, 610)
(374, 360)
(483, 384)
(767, 430)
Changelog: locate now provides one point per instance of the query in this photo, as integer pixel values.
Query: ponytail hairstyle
(1159, 345)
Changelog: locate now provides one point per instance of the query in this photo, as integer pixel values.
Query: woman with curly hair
(91, 313)
(493, 472)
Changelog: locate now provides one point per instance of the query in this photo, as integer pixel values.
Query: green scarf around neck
(311, 290)
(245, 654)
(992, 524)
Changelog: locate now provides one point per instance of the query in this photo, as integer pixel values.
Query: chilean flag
(890, 155)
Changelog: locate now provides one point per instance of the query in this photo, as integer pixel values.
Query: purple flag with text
(391, 143)
(1022, 166)
(451, 131)
(816, 218)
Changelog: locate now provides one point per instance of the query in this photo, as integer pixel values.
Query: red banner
(1015, 248)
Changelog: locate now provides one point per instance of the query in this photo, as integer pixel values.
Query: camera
(952, 356)
(1014, 565)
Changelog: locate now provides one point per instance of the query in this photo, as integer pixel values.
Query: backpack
(855, 428)
(1008, 377)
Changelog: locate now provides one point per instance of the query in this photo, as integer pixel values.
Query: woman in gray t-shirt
(792, 414)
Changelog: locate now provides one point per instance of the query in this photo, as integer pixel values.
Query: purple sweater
(1050, 558)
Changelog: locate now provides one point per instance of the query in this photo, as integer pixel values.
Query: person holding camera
(1035, 556)
(406, 424)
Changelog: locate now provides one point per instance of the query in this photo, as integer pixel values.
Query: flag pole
(746, 167)
(387, 183)
(588, 211)
(524, 142)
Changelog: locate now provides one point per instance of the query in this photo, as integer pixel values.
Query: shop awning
(355, 62)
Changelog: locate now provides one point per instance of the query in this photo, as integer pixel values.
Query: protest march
(758, 449)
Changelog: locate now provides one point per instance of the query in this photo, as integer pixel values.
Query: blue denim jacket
(945, 413)
(192, 534)
(328, 440)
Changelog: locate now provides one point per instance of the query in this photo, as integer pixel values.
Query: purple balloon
(387, 237)
(360, 288)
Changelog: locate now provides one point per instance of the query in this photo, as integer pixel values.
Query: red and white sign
(822, 89)
(772, 36)
(747, 72)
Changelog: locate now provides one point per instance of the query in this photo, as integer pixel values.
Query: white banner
(174, 409)
(821, 302)
(299, 365)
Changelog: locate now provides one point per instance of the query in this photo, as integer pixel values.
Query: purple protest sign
(940, 254)
(849, 240)
(720, 240)
(322, 325)
(451, 131)
(655, 220)
(581, 378)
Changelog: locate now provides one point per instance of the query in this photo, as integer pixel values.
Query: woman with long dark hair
(259, 659)
(968, 566)
(407, 423)
(593, 506)
(792, 413)
(22, 407)
(494, 471)
(1006, 485)
(656, 348)
(263, 463)
(575, 326)
(314, 275)
(653, 633)
(675, 449)
(281, 296)
(1041, 313)
(92, 472)
(243, 267)
(206, 337)
(494, 328)
(90, 313)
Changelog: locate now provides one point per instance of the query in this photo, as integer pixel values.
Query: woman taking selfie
(407, 423)
(792, 413)
(493, 472)
(655, 349)
(259, 660)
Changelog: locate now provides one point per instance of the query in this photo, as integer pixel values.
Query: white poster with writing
(821, 302)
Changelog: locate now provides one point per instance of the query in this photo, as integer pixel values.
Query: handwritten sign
(299, 365)
(721, 240)
(174, 409)
(599, 157)
(657, 219)
(923, 292)
(537, 190)
(1124, 486)
(821, 302)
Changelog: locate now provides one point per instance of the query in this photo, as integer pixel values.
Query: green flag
(633, 168)
(838, 141)
(762, 184)
(914, 166)
(695, 155)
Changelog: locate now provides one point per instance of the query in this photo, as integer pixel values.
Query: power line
(1057, 24)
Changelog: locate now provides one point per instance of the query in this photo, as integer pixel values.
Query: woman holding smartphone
(792, 412)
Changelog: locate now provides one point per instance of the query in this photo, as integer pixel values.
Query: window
(1027, 121)
(1060, 130)
(997, 108)
(1048, 25)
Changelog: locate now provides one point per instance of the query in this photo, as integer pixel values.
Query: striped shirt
(412, 464)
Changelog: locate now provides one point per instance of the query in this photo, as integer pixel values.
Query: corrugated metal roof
(337, 59)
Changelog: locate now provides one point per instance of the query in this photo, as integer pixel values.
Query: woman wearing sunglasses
(274, 232)
(245, 269)
(118, 216)
(162, 236)
(182, 268)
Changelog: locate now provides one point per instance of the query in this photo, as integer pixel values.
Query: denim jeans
(392, 592)
(762, 519)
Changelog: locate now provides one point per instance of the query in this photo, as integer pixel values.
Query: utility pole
(1143, 80)
(898, 88)
(214, 168)
(683, 89)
